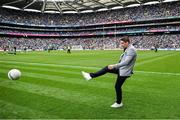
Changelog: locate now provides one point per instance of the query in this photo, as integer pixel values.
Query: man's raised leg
(89, 76)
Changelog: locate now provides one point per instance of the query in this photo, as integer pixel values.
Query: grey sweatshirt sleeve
(124, 63)
(129, 57)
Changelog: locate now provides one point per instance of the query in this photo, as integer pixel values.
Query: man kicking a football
(123, 69)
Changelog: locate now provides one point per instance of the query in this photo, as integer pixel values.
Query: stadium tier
(149, 25)
(163, 10)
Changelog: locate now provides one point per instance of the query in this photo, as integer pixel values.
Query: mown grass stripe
(12, 111)
(58, 77)
(50, 105)
(155, 59)
(83, 67)
(79, 72)
(159, 73)
(95, 87)
(45, 64)
(48, 91)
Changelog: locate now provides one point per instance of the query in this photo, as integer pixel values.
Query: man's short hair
(125, 39)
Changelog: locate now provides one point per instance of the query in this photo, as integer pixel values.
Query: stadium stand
(149, 25)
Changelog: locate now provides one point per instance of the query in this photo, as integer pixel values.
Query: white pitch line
(53, 65)
(160, 73)
(72, 66)
(154, 59)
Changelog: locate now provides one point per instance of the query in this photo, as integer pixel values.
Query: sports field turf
(51, 86)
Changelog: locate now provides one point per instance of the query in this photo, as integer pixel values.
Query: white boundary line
(160, 73)
(72, 66)
(154, 59)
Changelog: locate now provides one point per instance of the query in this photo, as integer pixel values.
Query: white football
(14, 74)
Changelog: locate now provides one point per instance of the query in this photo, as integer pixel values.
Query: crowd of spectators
(95, 32)
(162, 41)
(140, 42)
(134, 13)
(131, 13)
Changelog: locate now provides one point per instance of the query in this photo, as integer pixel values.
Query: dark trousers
(119, 82)
(68, 51)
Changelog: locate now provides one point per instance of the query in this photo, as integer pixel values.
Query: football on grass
(14, 74)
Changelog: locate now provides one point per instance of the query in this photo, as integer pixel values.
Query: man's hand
(110, 67)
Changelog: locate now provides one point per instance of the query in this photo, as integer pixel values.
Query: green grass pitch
(51, 86)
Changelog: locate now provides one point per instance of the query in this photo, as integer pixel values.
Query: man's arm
(124, 63)
(129, 56)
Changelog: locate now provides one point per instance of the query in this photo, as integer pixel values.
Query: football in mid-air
(14, 74)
